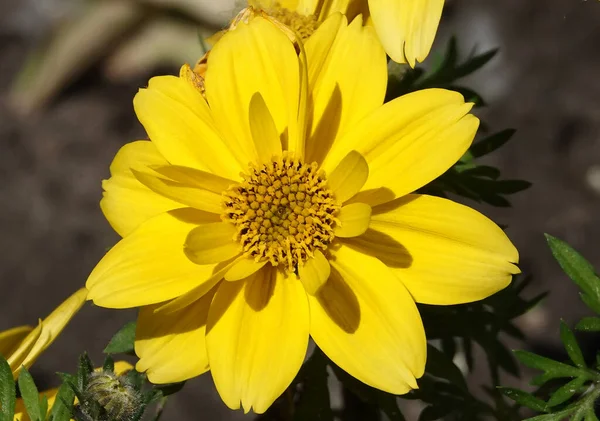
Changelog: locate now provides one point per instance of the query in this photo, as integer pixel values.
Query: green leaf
(109, 364)
(524, 399)
(491, 143)
(30, 395)
(570, 342)
(590, 302)
(83, 371)
(43, 405)
(123, 341)
(474, 63)
(440, 365)
(589, 324)
(576, 267)
(7, 392)
(63, 405)
(566, 392)
(552, 368)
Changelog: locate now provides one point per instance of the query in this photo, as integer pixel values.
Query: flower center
(303, 25)
(283, 212)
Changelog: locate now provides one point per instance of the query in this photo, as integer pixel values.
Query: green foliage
(7, 391)
(35, 406)
(123, 342)
(576, 386)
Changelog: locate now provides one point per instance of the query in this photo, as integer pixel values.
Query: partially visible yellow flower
(276, 203)
(406, 28)
(21, 346)
(121, 367)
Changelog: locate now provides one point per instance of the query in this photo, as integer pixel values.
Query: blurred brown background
(545, 83)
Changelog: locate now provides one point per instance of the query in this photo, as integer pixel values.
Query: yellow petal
(194, 178)
(172, 347)
(368, 324)
(257, 338)
(179, 122)
(314, 272)
(347, 78)
(255, 57)
(185, 194)
(410, 140)
(243, 268)
(444, 252)
(47, 331)
(264, 132)
(354, 220)
(211, 243)
(37, 337)
(11, 338)
(149, 266)
(406, 28)
(349, 176)
(126, 203)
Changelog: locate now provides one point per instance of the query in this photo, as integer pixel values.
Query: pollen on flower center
(283, 212)
(303, 25)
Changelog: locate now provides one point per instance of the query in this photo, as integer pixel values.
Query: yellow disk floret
(283, 212)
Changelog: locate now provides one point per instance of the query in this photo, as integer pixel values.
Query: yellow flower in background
(121, 367)
(21, 346)
(406, 28)
(276, 205)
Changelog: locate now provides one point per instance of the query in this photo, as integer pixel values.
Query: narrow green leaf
(7, 392)
(589, 324)
(553, 368)
(576, 267)
(83, 371)
(63, 405)
(590, 302)
(475, 63)
(30, 395)
(123, 341)
(524, 399)
(491, 143)
(570, 342)
(440, 365)
(483, 171)
(43, 406)
(566, 392)
(590, 415)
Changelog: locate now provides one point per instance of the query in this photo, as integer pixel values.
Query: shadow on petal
(373, 197)
(194, 216)
(327, 128)
(339, 302)
(382, 246)
(260, 288)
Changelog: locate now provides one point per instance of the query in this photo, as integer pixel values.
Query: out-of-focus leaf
(491, 143)
(123, 341)
(7, 391)
(568, 339)
(525, 399)
(590, 302)
(566, 392)
(109, 364)
(440, 365)
(575, 266)
(474, 63)
(314, 403)
(589, 324)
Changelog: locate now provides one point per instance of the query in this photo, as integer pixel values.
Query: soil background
(545, 83)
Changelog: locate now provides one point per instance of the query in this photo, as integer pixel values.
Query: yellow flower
(406, 28)
(121, 367)
(21, 346)
(278, 205)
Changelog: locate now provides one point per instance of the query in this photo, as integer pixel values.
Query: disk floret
(283, 212)
(303, 25)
